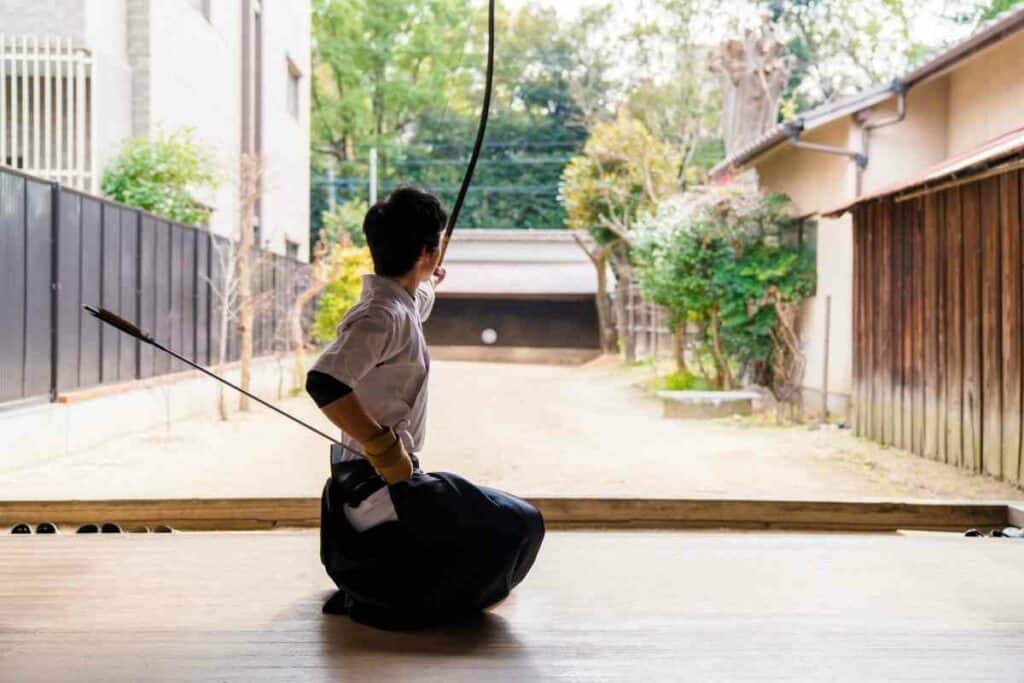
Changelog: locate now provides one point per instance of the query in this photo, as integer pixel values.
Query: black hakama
(456, 548)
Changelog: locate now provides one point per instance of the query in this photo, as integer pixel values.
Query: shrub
(717, 257)
(341, 294)
(158, 176)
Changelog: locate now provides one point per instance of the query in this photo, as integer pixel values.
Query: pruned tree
(224, 290)
(249, 189)
(752, 73)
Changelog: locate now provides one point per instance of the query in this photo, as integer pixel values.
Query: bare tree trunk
(224, 291)
(624, 282)
(599, 257)
(724, 374)
(604, 316)
(318, 279)
(249, 192)
(679, 346)
(752, 74)
(222, 357)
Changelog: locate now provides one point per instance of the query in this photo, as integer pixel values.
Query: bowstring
(485, 108)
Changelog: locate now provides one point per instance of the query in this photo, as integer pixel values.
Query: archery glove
(387, 454)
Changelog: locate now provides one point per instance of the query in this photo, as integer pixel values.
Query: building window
(291, 249)
(294, 79)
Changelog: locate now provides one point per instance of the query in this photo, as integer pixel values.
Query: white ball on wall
(488, 336)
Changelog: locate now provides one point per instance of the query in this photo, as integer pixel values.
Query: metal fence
(60, 248)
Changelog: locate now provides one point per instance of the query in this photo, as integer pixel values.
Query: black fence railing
(60, 248)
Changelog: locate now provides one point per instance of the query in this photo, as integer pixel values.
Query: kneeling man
(406, 549)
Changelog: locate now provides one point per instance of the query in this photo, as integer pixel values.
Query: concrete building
(952, 104)
(80, 77)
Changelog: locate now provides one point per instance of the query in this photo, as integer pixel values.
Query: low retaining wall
(83, 419)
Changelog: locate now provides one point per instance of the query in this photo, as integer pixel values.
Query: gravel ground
(533, 430)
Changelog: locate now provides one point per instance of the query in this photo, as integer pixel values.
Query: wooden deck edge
(560, 513)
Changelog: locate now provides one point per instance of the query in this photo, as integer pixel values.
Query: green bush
(717, 258)
(684, 381)
(158, 176)
(342, 293)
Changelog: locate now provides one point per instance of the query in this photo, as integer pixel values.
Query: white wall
(105, 36)
(817, 181)
(195, 82)
(286, 34)
(986, 96)
(65, 18)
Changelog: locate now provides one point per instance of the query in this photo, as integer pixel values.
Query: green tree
(844, 47)
(990, 9)
(670, 87)
(536, 124)
(344, 223)
(535, 127)
(719, 257)
(377, 64)
(160, 176)
(623, 172)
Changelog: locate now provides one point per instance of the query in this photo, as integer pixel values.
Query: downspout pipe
(795, 128)
(900, 88)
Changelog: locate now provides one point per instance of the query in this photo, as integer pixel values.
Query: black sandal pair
(41, 528)
(112, 528)
(1007, 532)
(104, 528)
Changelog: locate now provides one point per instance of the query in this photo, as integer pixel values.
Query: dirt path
(534, 430)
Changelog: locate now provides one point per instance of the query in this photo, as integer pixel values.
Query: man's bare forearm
(349, 415)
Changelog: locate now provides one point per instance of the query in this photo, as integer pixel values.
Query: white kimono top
(381, 353)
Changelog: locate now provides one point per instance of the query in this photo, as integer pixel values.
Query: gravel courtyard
(531, 429)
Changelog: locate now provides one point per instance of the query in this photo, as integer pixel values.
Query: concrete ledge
(514, 354)
(634, 513)
(30, 432)
(706, 404)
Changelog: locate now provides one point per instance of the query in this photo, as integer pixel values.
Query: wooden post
(824, 360)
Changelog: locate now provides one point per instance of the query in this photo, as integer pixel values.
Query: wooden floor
(599, 606)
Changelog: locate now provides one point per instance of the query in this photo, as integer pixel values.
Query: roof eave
(812, 120)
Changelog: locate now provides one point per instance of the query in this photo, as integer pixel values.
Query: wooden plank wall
(939, 324)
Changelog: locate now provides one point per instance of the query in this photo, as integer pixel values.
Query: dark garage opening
(537, 321)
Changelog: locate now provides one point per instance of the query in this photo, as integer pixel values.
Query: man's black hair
(398, 227)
